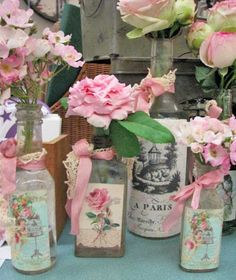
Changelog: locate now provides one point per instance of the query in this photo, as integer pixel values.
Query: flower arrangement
(212, 141)
(24, 59)
(165, 17)
(117, 110)
(215, 41)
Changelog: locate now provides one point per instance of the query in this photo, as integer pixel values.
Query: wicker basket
(77, 127)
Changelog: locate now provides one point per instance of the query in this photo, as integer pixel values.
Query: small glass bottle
(160, 169)
(202, 231)
(102, 219)
(33, 247)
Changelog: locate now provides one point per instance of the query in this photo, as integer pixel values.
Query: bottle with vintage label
(227, 189)
(160, 169)
(202, 229)
(33, 248)
(102, 218)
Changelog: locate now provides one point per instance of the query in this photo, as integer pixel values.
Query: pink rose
(100, 100)
(218, 50)
(8, 148)
(233, 152)
(190, 244)
(197, 33)
(222, 16)
(98, 199)
(146, 15)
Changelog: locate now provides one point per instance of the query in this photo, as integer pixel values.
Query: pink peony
(222, 16)
(218, 50)
(98, 199)
(100, 100)
(146, 15)
(215, 155)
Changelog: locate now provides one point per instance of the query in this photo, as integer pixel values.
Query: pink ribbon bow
(85, 155)
(207, 181)
(8, 166)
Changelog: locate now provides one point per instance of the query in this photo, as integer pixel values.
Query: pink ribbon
(8, 166)
(207, 181)
(85, 155)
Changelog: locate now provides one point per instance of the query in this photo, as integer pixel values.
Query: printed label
(227, 191)
(30, 248)
(201, 239)
(158, 173)
(101, 216)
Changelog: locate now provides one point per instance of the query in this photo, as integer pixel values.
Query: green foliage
(91, 215)
(206, 78)
(64, 102)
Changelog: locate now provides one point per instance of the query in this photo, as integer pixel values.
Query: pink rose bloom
(146, 15)
(159, 85)
(8, 7)
(218, 50)
(190, 244)
(196, 148)
(232, 123)
(212, 109)
(100, 100)
(98, 199)
(142, 99)
(214, 155)
(222, 16)
(8, 148)
(69, 54)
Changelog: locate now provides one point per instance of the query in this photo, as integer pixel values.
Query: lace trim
(32, 156)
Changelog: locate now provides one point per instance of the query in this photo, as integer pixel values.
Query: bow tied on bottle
(207, 181)
(85, 153)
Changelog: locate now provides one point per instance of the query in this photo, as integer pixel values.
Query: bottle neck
(224, 100)
(29, 130)
(100, 139)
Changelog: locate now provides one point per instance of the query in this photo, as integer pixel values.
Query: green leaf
(91, 215)
(64, 102)
(203, 73)
(106, 227)
(107, 221)
(174, 29)
(135, 33)
(95, 221)
(115, 225)
(142, 125)
(125, 143)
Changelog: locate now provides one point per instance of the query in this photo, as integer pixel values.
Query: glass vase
(227, 189)
(102, 218)
(202, 229)
(33, 248)
(160, 169)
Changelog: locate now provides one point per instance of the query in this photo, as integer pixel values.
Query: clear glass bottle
(227, 189)
(160, 170)
(202, 230)
(102, 219)
(33, 247)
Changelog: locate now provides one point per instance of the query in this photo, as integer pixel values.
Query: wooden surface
(57, 150)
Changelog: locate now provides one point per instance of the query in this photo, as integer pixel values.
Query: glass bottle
(160, 170)
(202, 230)
(227, 189)
(102, 218)
(33, 248)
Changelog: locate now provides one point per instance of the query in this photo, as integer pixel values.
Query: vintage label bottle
(160, 169)
(33, 247)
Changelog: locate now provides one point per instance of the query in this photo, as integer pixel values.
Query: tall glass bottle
(33, 248)
(202, 229)
(227, 189)
(160, 170)
(102, 219)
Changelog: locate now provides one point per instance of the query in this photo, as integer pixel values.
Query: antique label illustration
(201, 239)
(158, 173)
(227, 191)
(30, 249)
(101, 216)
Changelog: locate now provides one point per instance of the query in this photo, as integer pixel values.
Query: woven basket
(77, 127)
